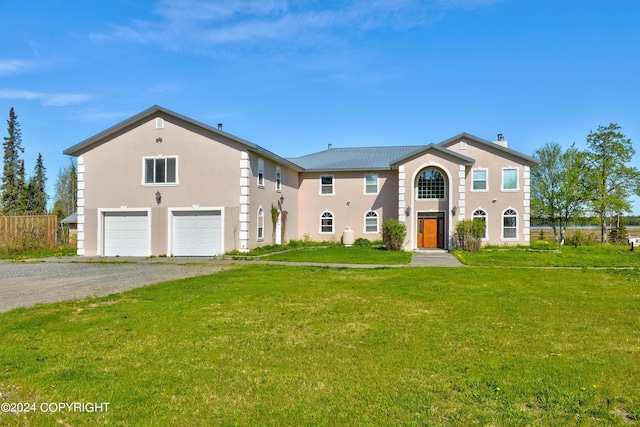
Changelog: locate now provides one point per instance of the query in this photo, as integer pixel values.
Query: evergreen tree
(12, 187)
(36, 190)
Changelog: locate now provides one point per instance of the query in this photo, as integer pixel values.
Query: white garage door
(126, 234)
(197, 233)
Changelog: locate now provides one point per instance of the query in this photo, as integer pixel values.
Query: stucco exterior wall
(494, 200)
(268, 195)
(349, 204)
(208, 176)
(411, 169)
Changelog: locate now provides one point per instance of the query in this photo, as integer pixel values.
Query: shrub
(468, 235)
(362, 242)
(393, 234)
(580, 238)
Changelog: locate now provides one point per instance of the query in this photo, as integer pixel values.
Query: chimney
(330, 146)
(219, 126)
(501, 141)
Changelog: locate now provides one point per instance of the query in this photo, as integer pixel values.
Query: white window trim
(333, 223)
(517, 180)
(260, 173)
(160, 184)
(509, 239)
(377, 223)
(486, 180)
(486, 222)
(278, 183)
(260, 238)
(333, 185)
(364, 190)
(159, 123)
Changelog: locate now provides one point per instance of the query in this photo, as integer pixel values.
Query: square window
(160, 170)
(479, 179)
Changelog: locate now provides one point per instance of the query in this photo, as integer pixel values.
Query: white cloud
(15, 66)
(46, 99)
(193, 24)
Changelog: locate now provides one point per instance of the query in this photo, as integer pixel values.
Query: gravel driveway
(24, 284)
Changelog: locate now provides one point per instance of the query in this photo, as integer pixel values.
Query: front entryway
(431, 230)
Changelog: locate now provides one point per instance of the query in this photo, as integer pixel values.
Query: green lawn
(601, 256)
(338, 254)
(278, 345)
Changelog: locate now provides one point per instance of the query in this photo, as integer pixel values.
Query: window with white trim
(326, 185)
(479, 180)
(261, 173)
(326, 222)
(431, 185)
(160, 170)
(510, 224)
(159, 123)
(371, 183)
(278, 179)
(481, 215)
(260, 224)
(509, 178)
(371, 222)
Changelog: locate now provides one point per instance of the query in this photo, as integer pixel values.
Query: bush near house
(394, 233)
(468, 235)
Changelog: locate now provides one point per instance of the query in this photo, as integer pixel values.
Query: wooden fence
(28, 230)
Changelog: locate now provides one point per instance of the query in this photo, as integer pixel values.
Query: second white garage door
(197, 233)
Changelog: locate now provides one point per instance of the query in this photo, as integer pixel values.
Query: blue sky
(294, 76)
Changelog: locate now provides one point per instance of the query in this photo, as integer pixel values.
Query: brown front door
(431, 232)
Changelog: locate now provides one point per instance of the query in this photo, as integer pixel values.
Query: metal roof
(355, 158)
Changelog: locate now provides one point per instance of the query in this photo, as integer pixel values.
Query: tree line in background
(572, 187)
(22, 196)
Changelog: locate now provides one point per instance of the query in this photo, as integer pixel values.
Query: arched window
(431, 185)
(510, 224)
(371, 222)
(260, 224)
(326, 222)
(480, 215)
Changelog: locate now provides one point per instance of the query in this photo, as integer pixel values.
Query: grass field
(343, 255)
(276, 345)
(544, 255)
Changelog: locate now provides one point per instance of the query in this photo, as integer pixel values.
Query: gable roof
(88, 143)
(334, 159)
(493, 145)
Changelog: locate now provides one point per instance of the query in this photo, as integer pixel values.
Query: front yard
(277, 345)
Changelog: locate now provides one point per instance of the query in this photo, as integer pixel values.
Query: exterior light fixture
(158, 197)
(454, 210)
(408, 211)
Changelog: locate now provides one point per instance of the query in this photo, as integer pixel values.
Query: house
(162, 183)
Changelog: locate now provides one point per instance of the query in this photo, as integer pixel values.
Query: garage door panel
(197, 234)
(126, 234)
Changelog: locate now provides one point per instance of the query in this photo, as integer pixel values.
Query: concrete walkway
(434, 258)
